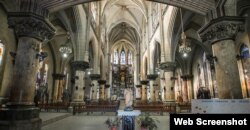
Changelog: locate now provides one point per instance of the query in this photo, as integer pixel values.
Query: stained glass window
(130, 61)
(123, 58)
(115, 57)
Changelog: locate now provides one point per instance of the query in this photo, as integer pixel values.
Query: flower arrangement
(147, 122)
(113, 123)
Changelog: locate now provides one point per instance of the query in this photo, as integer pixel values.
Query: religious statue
(128, 94)
(203, 93)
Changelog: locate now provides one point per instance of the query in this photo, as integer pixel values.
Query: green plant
(146, 121)
(115, 122)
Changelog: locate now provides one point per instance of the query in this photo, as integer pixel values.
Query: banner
(209, 121)
(220, 106)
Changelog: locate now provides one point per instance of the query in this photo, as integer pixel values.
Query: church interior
(68, 64)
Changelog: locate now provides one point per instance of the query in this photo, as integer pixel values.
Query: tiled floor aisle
(82, 122)
(94, 121)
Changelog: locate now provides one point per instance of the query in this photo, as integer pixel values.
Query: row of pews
(58, 106)
(160, 107)
(101, 106)
(113, 106)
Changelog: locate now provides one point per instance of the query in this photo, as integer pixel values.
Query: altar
(128, 118)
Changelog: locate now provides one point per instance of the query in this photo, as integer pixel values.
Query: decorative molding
(144, 82)
(152, 76)
(58, 76)
(107, 85)
(173, 78)
(94, 76)
(187, 77)
(138, 86)
(80, 65)
(31, 25)
(101, 82)
(155, 85)
(222, 28)
(168, 66)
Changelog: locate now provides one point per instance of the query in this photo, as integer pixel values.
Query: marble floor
(94, 122)
(91, 121)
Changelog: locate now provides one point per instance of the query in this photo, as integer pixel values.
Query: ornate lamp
(184, 47)
(65, 49)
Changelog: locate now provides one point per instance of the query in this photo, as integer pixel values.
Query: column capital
(80, 65)
(222, 28)
(107, 85)
(138, 86)
(187, 77)
(101, 82)
(30, 25)
(58, 76)
(144, 82)
(95, 76)
(173, 78)
(152, 76)
(168, 66)
(155, 85)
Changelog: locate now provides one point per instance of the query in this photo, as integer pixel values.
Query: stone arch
(200, 7)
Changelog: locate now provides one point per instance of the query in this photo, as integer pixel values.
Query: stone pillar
(221, 33)
(31, 30)
(187, 90)
(138, 92)
(102, 89)
(107, 92)
(95, 87)
(169, 68)
(152, 78)
(79, 68)
(144, 90)
(58, 88)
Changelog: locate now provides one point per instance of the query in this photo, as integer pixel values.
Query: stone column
(58, 88)
(95, 87)
(79, 68)
(138, 93)
(144, 90)
(102, 89)
(169, 68)
(221, 33)
(31, 30)
(187, 90)
(152, 78)
(107, 92)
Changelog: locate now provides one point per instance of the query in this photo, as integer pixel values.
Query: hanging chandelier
(184, 47)
(65, 49)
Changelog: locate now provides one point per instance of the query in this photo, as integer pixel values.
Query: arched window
(130, 61)
(123, 57)
(244, 51)
(115, 57)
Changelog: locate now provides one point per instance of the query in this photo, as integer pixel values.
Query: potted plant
(147, 122)
(113, 124)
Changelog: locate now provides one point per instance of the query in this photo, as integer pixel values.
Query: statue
(128, 94)
(203, 93)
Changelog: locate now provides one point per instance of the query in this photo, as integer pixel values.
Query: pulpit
(128, 118)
